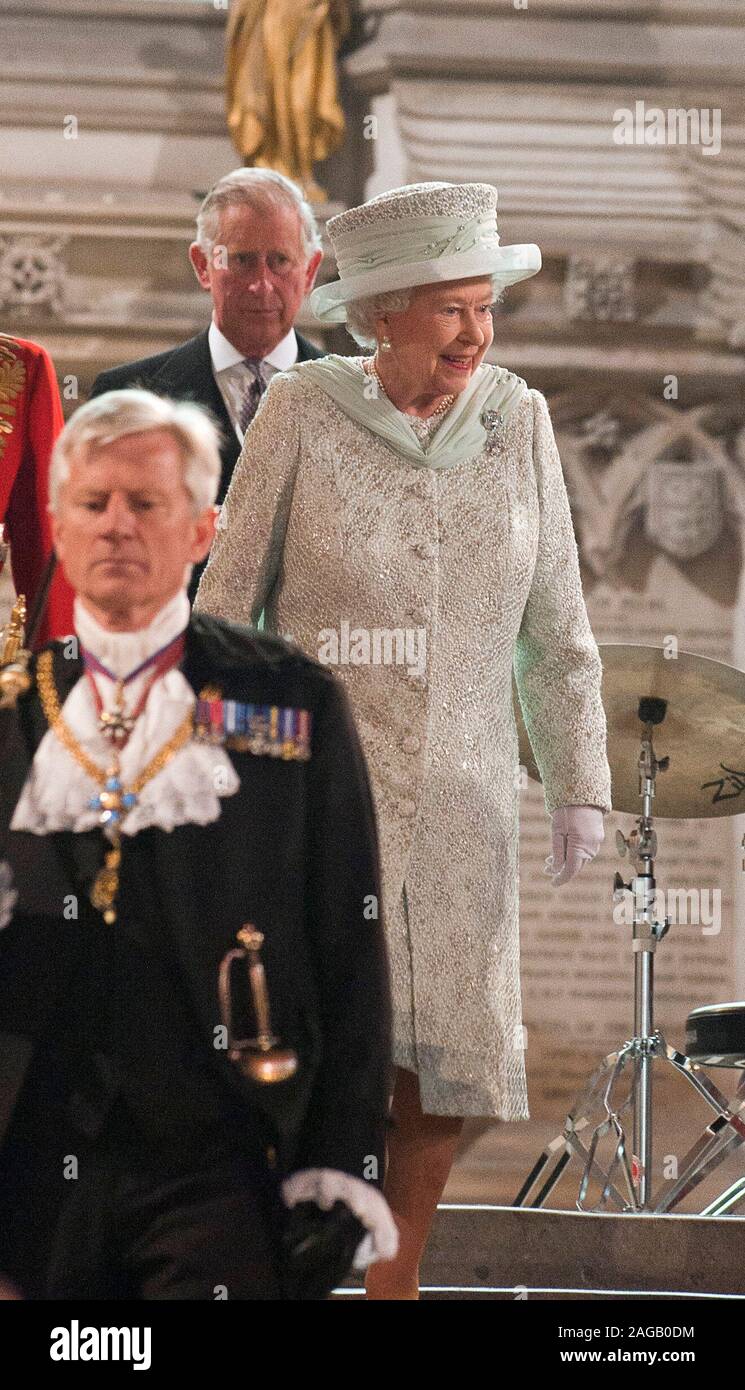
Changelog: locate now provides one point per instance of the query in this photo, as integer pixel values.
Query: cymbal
(703, 732)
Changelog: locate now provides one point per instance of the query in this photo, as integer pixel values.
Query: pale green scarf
(461, 434)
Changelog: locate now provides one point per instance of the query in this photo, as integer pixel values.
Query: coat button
(417, 615)
(426, 550)
(411, 744)
(408, 808)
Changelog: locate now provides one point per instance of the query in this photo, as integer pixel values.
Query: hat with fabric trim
(420, 234)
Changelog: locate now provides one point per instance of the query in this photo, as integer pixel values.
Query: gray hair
(257, 189)
(362, 313)
(118, 413)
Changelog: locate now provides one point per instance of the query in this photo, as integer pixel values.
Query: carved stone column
(532, 98)
(112, 128)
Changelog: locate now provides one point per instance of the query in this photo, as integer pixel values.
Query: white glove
(576, 836)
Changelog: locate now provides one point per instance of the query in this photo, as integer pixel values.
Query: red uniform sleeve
(38, 421)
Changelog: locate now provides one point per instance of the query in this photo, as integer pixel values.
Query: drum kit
(676, 744)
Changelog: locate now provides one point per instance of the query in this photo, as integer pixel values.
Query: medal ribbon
(163, 660)
(163, 655)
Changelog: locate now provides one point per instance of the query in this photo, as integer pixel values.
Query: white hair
(118, 413)
(257, 189)
(362, 313)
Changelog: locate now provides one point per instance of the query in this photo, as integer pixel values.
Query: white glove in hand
(576, 836)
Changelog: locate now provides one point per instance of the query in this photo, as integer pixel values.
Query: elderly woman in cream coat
(402, 515)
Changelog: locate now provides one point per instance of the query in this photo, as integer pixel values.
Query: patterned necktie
(253, 392)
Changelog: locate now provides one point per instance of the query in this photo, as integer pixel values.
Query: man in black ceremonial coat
(137, 1159)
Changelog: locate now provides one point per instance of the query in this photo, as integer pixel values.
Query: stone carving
(32, 272)
(599, 287)
(684, 506)
(641, 457)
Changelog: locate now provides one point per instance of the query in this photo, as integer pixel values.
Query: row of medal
(274, 730)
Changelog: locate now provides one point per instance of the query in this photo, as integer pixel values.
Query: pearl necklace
(421, 419)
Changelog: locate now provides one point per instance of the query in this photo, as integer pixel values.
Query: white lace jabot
(187, 791)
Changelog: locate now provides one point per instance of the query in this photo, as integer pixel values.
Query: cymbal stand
(633, 1173)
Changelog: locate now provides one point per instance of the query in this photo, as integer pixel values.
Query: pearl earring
(385, 343)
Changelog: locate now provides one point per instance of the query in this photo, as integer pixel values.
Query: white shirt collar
(224, 355)
(121, 652)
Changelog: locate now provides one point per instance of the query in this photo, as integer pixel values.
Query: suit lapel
(188, 372)
(306, 349)
(196, 665)
(194, 931)
(188, 375)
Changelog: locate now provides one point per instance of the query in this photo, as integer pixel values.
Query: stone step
(480, 1251)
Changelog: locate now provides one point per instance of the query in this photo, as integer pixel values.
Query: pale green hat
(420, 234)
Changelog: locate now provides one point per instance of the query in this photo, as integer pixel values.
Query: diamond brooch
(493, 422)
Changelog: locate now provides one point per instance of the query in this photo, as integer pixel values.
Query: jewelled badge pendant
(106, 884)
(115, 724)
(113, 802)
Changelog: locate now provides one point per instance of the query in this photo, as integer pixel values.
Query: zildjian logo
(734, 778)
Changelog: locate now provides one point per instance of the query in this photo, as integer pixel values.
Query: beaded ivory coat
(324, 526)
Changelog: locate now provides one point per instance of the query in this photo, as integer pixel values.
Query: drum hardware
(704, 727)
(626, 1180)
(728, 1201)
(262, 1058)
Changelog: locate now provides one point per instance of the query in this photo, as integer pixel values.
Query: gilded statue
(281, 84)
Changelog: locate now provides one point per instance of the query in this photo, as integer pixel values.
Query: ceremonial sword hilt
(261, 1058)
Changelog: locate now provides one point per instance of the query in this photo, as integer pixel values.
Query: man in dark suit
(257, 253)
(166, 781)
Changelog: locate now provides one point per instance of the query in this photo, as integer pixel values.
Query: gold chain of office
(53, 713)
